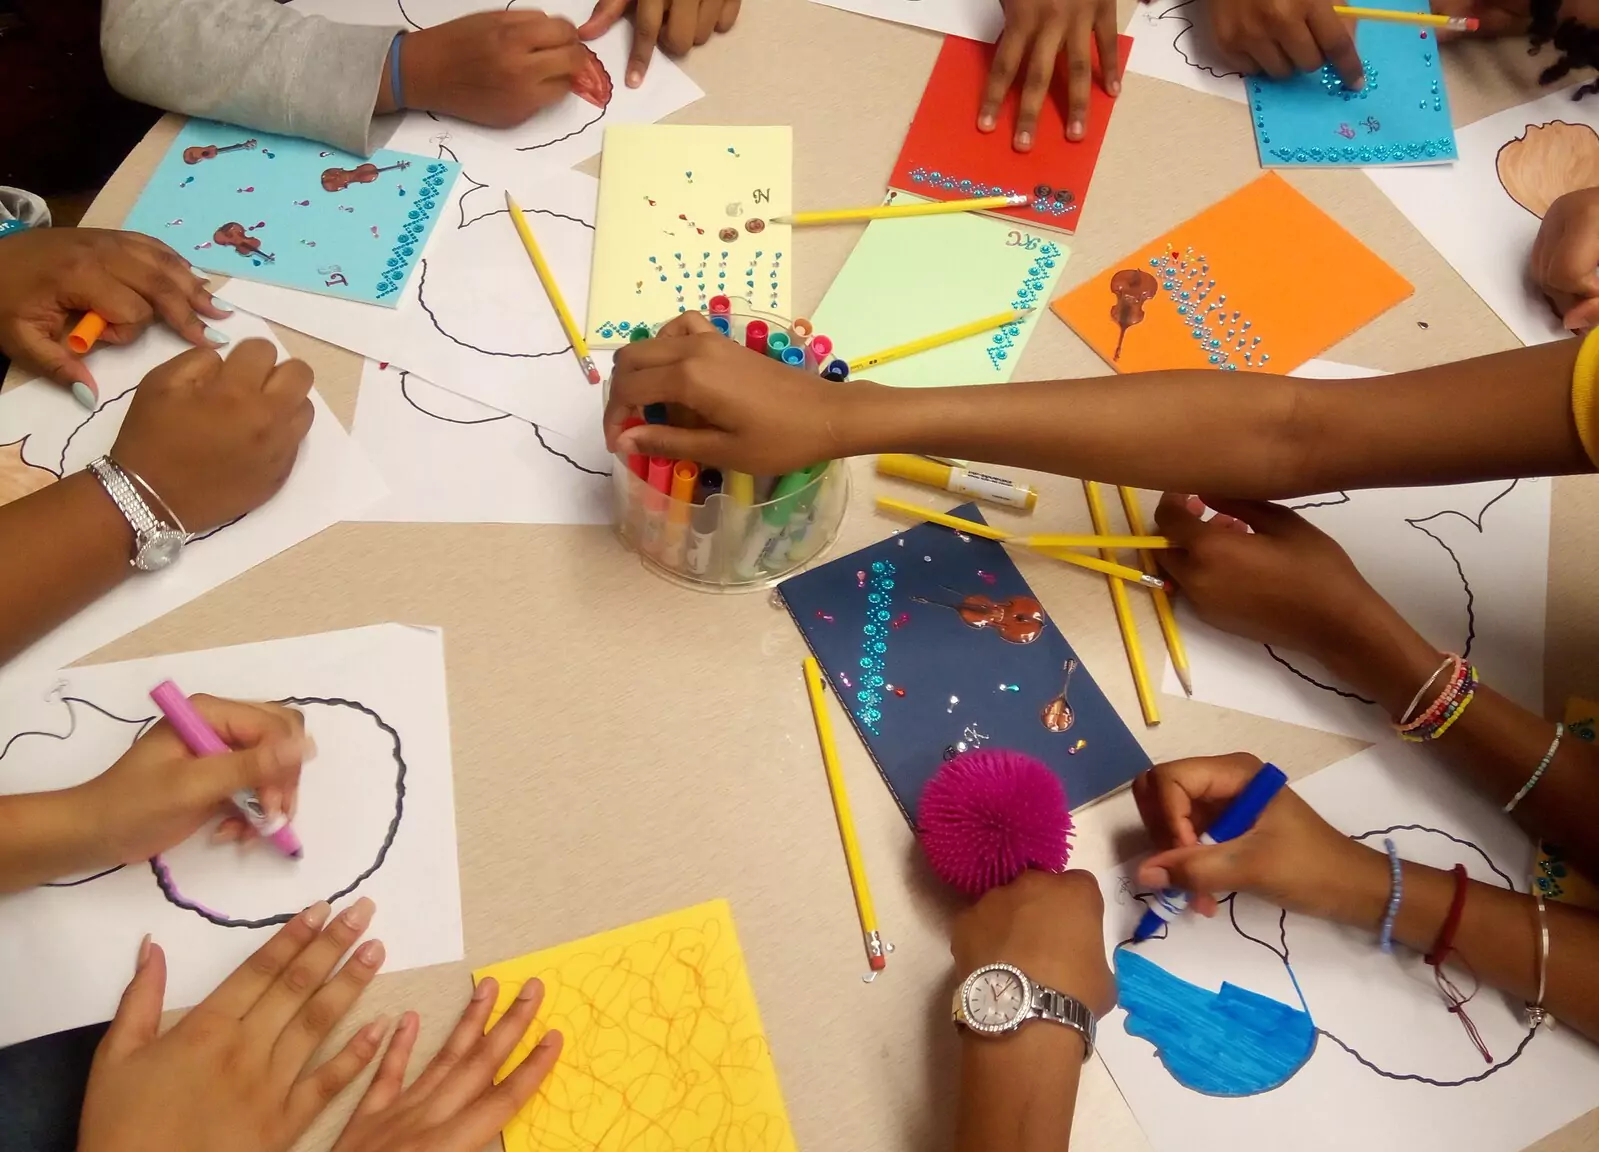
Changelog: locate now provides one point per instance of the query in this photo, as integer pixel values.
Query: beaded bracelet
(1452, 706)
(1446, 694)
(1396, 890)
(1537, 773)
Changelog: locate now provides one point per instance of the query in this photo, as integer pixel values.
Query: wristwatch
(156, 543)
(997, 999)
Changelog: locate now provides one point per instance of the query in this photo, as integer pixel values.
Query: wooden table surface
(623, 747)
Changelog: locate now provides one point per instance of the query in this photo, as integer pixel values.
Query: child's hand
(159, 793)
(236, 1071)
(491, 68)
(215, 438)
(1565, 258)
(677, 25)
(50, 275)
(1281, 37)
(729, 406)
(1036, 33)
(1292, 857)
(454, 1105)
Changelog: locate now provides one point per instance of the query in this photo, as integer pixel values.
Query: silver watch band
(125, 496)
(1049, 1004)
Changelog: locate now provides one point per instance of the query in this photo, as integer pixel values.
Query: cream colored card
(685, 215)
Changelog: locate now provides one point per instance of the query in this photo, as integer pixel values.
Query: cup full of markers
(730, 531)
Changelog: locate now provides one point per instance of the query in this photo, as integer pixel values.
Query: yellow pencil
(1124, 615)
(972, 528)
(553, 290)
(939, 339)
(876, 954)
(1389, 16)
(1163, 609)
(1049, 540)
(887, 211)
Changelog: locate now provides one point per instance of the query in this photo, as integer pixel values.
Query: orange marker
(85, 333)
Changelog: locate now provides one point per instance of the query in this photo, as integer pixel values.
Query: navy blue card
(935, 643)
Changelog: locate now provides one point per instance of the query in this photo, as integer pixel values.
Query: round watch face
(995, 998)
(159, 549)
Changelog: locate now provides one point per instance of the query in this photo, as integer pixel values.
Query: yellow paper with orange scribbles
(664, 1049)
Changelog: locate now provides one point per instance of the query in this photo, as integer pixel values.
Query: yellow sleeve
(1585, 394)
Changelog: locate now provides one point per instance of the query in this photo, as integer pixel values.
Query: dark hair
(1577, 44)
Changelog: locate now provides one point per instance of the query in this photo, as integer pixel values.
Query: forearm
(1018, 1093)
(1251, 436)
(44, 836)
(65, 546)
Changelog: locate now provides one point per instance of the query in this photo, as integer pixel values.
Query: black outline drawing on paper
(1546, 161)
(1198, 35)
(159, 868)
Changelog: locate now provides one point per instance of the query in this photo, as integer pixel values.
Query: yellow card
(685, 215)
(664, 1049)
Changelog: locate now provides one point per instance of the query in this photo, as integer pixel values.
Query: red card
(945, 157)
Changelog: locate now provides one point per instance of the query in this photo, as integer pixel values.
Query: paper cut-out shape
(663, 1044)
(945, 157)
(1261, 281)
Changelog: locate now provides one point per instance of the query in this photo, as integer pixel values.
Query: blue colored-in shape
(1229, 1043)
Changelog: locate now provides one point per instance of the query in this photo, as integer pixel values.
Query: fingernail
(532, 988)
(1195, 505)
(1024, 140)
(634, 78)
(1075, 131)
(549, 1040)
(374, 1031)
(218, 302)
(359, 914)
(370, 953)
(1360, 82)
(1115, 87)
(307, 747)
(985, 122)
(409, 1019)
(216, 337)
(1154, 877)
(288, 753)
(196, 270)
(485, 988)
(144, 954)
(317, 915)
(83, 394)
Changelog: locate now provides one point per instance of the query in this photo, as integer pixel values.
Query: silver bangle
(1537, 773)
(153, 494)
(1425, 684)
(1536, 1014)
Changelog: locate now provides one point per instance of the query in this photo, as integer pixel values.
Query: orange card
(1260, 282)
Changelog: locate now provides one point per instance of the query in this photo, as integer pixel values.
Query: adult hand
(48, 276)
(491, 68)
(677, 25)
(454, 1105)
(730, 407)
(159, 793)
(236, 1071)
(217, 438)
(1050, 925)
(1036, 33)
(1281, 37)
(1291, 857)
(1565, 258)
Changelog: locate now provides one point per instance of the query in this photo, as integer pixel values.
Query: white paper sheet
(331, 481)
(475, 318)
(973, 19)
(1172, 41)
(1385, 1008)
(376, 815)
(448, 459)
(564, 133)
(1466, 209)
(1467, 565)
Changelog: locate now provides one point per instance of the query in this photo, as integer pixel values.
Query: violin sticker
(1057, 715)
(1017, 619)
(338, 179)
(232, 235)
(1133, 288)
(196, 153)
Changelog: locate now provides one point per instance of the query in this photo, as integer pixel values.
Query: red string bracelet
(1441, 949)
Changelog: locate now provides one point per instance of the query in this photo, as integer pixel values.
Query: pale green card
(921, 275)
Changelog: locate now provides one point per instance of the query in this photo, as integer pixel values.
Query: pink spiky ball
(988, 815)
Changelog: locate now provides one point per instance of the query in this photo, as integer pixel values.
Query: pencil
(888, 211)
(973, 528)
(876, 954)
(580, 346)
(1124, 615)
(1389, 16)
(1163, 609)
(1049, 540)
(939, 339)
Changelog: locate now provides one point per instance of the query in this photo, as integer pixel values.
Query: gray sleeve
(248, 62)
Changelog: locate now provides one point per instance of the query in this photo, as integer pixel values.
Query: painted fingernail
(196, 270)
(374, 1031)
(370, 953)
(218, 302)
(144, 954)
(486, 987)
(317, 915)
(985, 121)
(1024, 140)
(634, 77)
(359, 914)
(217, 338)
(532, 988)
(83, 394)
(1075, 131)
(1195, 505)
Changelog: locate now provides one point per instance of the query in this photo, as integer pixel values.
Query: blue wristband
(396, 89)
(9, 226)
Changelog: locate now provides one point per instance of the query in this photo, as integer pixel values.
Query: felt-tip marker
(200, 739)
(1238, 817)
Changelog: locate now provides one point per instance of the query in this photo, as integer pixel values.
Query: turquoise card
(1401, 116)
(290, 212)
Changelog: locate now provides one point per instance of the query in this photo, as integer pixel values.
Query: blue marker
(1238, 818)
(794, 356)
(836, 370)
(722, 325)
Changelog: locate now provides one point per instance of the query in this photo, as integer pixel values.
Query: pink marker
(198, 737)
(821, 347)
